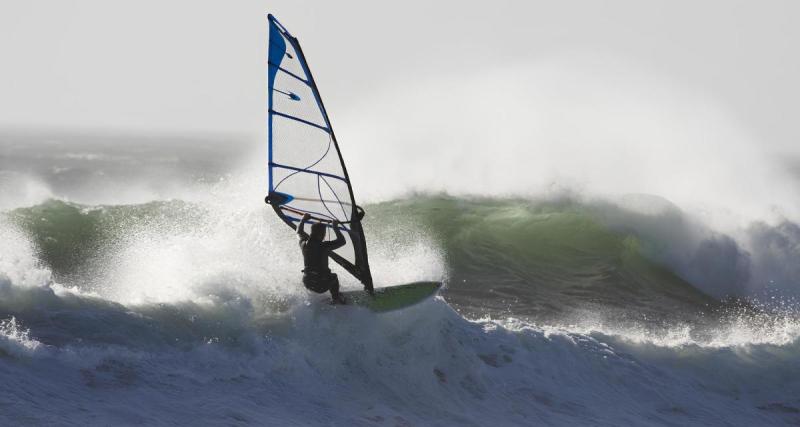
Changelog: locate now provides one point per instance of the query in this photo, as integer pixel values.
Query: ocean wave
(554, 312)
(169, 363)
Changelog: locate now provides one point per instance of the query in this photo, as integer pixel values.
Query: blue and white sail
(306, 170)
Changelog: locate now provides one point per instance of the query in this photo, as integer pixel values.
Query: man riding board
(317, 276)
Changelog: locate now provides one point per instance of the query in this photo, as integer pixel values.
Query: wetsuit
(317, 276)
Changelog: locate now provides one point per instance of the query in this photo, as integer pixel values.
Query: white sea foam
(425, 365)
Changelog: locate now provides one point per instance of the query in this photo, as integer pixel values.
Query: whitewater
(147, 284)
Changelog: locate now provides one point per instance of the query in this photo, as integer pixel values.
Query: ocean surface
(144, 282)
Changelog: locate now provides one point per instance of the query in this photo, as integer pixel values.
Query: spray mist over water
(597, 125)
(597, 128)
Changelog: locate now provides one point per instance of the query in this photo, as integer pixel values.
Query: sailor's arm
(301, 232)
(340, 241)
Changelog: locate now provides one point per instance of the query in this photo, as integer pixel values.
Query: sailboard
(392, 298)
(307, 174)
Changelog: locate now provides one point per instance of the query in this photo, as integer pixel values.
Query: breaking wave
(555, 312)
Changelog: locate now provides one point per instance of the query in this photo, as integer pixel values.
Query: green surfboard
(393, 297)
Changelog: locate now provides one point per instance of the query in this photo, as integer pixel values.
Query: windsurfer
(317, 276)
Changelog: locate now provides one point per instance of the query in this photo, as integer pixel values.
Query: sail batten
(307, 174)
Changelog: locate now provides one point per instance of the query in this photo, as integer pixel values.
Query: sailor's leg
(335, 295)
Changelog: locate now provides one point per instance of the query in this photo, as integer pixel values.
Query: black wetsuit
(317, 276)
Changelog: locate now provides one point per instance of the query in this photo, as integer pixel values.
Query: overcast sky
(197, 66)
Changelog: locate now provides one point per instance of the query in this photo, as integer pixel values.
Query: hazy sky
(198, 66)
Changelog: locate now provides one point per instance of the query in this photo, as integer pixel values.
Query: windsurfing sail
(306, 170)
